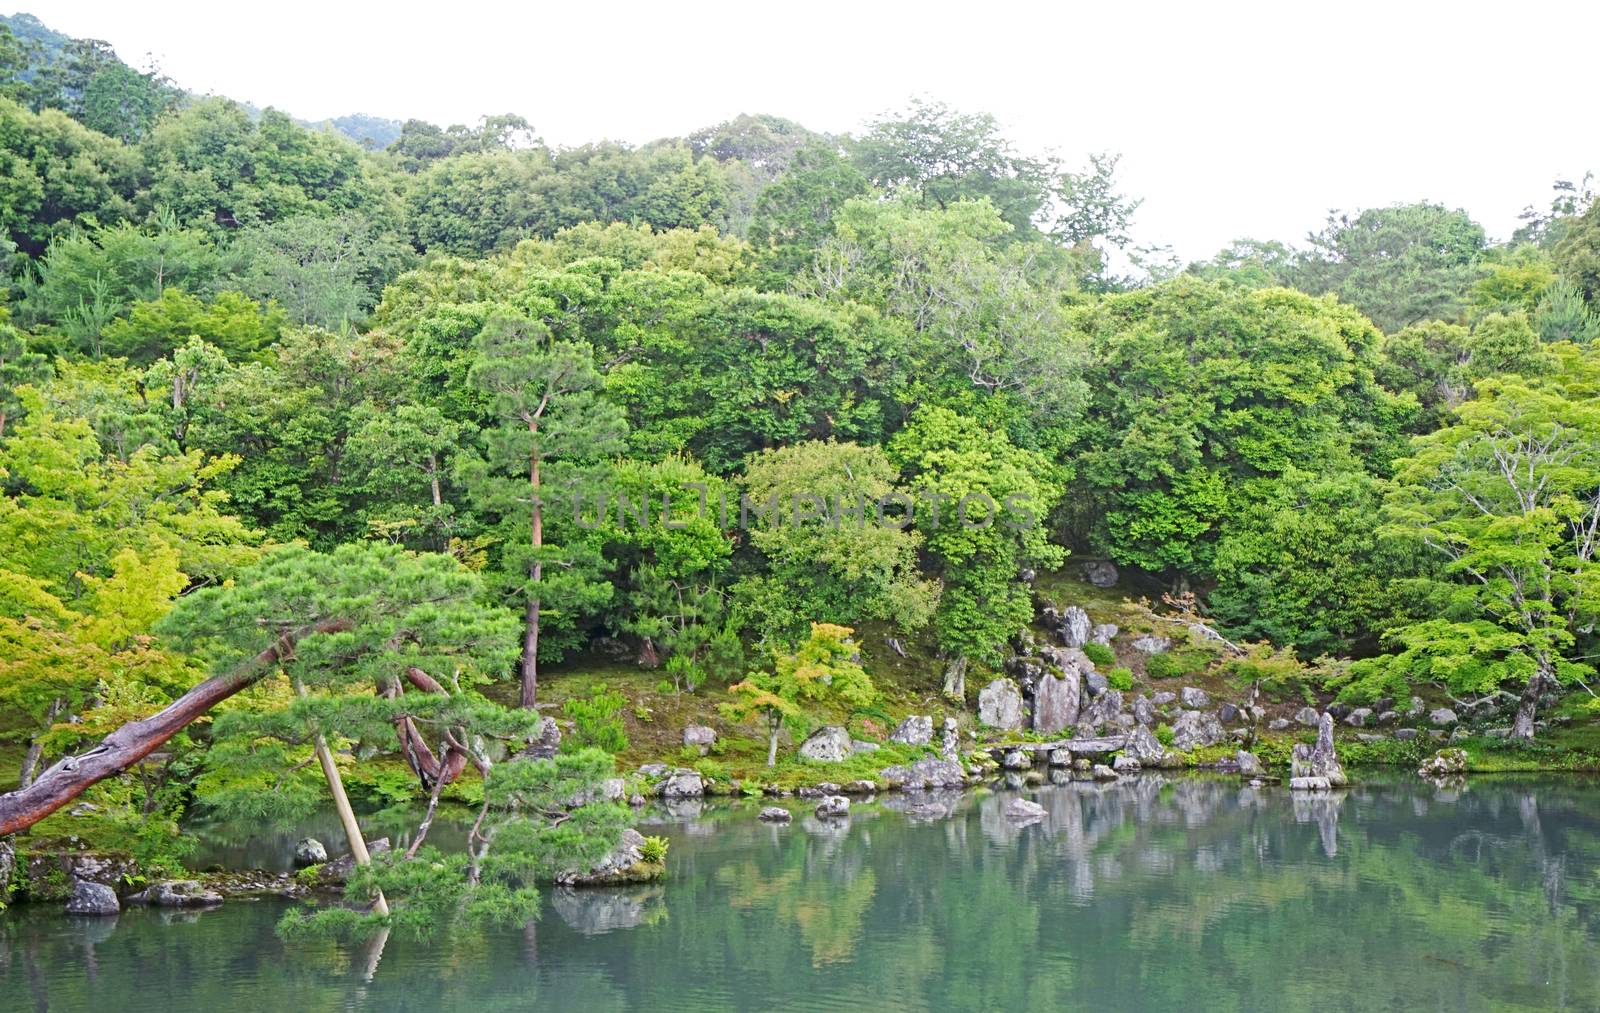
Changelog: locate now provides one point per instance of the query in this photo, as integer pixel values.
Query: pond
(1158, 893)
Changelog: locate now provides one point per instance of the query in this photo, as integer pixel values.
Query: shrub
(1177, 664)
(1120, 678)
(596, 721)
(1164, 734)
(1100, 654)
(654, 850)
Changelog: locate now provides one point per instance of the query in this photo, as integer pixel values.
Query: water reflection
(1157, 892)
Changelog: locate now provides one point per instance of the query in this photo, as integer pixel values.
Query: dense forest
(366, 430)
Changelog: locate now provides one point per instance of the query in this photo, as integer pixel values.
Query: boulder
(1000, 705)
(1104, 633)
(1143, 746)
(1405, 734)
(339, 870)
(1319, 760)
(1249, 764)
(1194, 729)
(1100, 573)
(1228, 713)
(1103, 709)
(1442, 717)
(1359, 717)
(916, 730)
(1308, 784)
(177, 893)
(1278, 724)
(1075, 626)
(1060, 757)
(1445, 763)
(699, 737)
(862, 787)
(1388, 718)
(1125, 764)
(775, 814)
(309, 851)
(622, 865)
(1144, 712)
(949, 741)
(1193, 698)
(1101, 772)
(1055, 704)
(682, 783)
(833, 807)
(1163, 698)
(1095, 684)
(1016, 760)
(828, 744)
(1416, 708)
(925, 775)
(1023, 810)
(89, 898)
(1307, 716)
(1151, 644)
(545, 743)
(858, 746)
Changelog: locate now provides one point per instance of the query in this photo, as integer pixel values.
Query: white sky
(1234, 119)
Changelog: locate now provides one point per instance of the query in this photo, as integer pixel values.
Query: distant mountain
(372, 132)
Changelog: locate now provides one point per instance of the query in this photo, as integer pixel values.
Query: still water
(1187, 893)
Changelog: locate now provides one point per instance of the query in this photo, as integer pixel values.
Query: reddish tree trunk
(72, 775)
(530, 632)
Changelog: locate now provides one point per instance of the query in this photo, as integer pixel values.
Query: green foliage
(654, 850)
(597, 721)
(1100, 654)
(1120, 678)
(825, 669)
(1164, 734)
(1177, 663)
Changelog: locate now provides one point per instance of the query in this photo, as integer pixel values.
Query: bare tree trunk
(1540, 682)
(955, 679)
(341, 805)
(72, 775)
(530, 634)
(772, 747)
(30, 759)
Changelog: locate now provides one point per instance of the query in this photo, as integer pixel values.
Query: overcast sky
(1234, 119)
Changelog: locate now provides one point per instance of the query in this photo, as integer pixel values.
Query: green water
(1187, 893)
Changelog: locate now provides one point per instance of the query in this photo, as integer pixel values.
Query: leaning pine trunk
(1541, 682)
(341, 805)
(530, 633)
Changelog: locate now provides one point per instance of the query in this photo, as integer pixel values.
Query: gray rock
(1103, 709)
(1359, 717)
(1405, 734)
(1125, 764)
(654, 770)
(833, 807)
(309, 851)
(1143, 746)
(1095, 684)
(1163, 698)
(1022, 809)
(775, 814)
(177, 893)
(1228, 713)
(1194, 729)
(1101, 772)
(1055, 704)
(546, 743)
(1319, 760)
(828, 744)
(92, 899)
(1000, 705)
(1388, 718)
(1416, 708)
(1460, 733)
(682, 784)
(1249, 764)
(1442, 717)
(916, 730)
(925, 775)
(1144, 712)
(613, 868)
(857, 746)
(1195, 699)
(1308, 784)
(1104, 633)
(860, 788)
(1075, 626)
(1307, 716)
(1016, 760)
(1060, 757)
(1100, 573)
(1152, 644)
(949, 741)
(1444, 763)
(1278, 724)
(700, 737)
